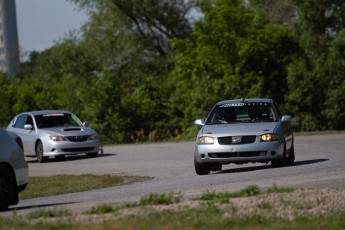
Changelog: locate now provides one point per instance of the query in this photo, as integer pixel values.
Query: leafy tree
(6, 95)
(232, 52)
(311, 75)
(130, 42)
(334, 111)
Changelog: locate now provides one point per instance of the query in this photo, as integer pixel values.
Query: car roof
(41, 112)
(246, 100)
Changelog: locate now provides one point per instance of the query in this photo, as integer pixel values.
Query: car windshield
(56, 120)
(241, 112)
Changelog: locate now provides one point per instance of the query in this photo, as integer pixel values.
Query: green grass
(205, 217)
(47, 213)
(275, 189)
(102, 209)
(62, 184)
(209, 215)
(154, 199)
(251, 190)
(224, 197)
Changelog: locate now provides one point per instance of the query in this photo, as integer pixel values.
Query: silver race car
(54, 133)
(243, 131)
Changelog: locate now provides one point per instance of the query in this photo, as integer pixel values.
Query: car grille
(77, 150)
(244, 140)
(78, 138)
(237, 154)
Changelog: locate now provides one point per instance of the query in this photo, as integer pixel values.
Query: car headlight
(205, 140)
(93, 137)
(269, 137)
(57, 138)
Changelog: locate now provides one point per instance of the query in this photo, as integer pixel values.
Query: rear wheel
(8, 191)
(39, 152)
(202, 168)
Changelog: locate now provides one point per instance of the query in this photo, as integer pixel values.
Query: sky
(43, 22)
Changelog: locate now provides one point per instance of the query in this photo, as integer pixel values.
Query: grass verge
(62, 184)
(213, 211)
(162, 211)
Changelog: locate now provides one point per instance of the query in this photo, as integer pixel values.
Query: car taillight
(20, 143)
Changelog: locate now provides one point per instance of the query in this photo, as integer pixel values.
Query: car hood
(239, 129)
(68, 131)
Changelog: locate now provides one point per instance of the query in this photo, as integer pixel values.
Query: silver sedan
(243, 131)
(54, 133)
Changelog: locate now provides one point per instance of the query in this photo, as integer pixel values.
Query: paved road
(320, 161)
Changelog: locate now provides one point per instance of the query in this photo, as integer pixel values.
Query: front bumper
(56, 148)
(239, 153)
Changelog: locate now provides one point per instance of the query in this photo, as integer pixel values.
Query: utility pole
(9, 45)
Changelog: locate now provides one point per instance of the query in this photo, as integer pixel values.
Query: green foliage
(232, 53)
(334, 111)
(7, 100)
(143, 71)
(313, 73)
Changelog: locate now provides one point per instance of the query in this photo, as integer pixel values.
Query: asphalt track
(168, 167)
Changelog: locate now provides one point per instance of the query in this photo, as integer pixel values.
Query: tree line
(145, 70)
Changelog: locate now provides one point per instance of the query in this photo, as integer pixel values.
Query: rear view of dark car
(13, 169)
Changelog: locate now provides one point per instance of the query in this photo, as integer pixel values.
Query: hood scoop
(72, 129)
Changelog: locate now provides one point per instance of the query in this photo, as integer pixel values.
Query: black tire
(39, 152)
(280, 162)
(291, 158)
(216, 167)
(277, 163)
(92, 154)
(8, 190)
(202, 168)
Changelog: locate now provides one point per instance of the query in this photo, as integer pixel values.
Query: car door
(28, 136)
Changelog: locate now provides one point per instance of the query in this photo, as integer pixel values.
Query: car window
(278, 110)
(56, 120)
(19, 122)
(29, 120)
(242, 112)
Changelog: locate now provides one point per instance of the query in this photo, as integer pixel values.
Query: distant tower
(9, 46)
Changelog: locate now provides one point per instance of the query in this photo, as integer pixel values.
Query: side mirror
(199, 122)
(286, 118)
(86, 124)
(28, 127)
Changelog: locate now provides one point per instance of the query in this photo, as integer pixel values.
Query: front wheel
(291, 158)
(202, 168)
(280, 162)
(216, 167)
(39, 152)
(8, 191)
